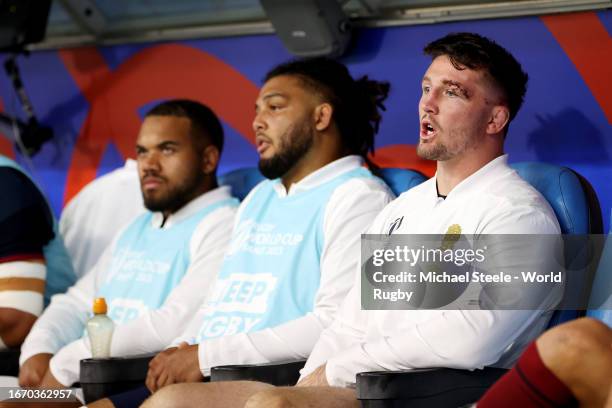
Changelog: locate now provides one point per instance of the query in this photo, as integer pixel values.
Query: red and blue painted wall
(94, 98)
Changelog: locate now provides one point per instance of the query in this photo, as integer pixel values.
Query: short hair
(204, 123)
(480, 53)
(356, 103)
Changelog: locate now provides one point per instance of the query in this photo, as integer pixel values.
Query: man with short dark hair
(287, 268)
(158, 266)
(470, 92)
(285, 272)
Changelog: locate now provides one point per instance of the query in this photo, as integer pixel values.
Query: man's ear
(210, 159)
(323, 116)
(500, 115)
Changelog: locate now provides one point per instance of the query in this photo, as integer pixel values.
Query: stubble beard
(175, 197)
(293, 145)
(439, 151)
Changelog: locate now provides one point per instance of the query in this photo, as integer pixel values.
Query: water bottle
(100, 330)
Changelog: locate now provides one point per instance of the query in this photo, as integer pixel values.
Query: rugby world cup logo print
(395, 225)
(241, 236)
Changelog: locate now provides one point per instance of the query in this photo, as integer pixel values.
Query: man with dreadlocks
(286, 270)
(471, 91)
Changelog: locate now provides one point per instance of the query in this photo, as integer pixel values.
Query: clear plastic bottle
(100, 330)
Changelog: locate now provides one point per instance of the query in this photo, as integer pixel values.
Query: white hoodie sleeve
(64, 319)
(349, 212)
(155, 330)
(374, 340)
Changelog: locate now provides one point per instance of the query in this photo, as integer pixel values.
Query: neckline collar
(210, 197)
(319, 176)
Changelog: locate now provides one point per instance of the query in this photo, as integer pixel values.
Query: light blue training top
(271, 272)
(148, 262)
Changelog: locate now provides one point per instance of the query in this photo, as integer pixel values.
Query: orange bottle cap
(99, 306)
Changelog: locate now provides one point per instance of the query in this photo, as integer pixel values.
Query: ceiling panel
(71, 21)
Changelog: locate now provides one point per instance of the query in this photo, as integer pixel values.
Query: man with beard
(158, 266)
(471, 91)
(287, 268)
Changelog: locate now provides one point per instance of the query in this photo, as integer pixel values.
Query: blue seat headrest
(241, 181)
(563, 190)
(600, 305)
(400, 180)
(577, 209)
(244, 179)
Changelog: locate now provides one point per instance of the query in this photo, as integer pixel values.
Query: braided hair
(357, 103)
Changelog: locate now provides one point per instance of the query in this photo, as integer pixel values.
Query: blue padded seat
(241, 181)
(577, 209)
(600, 305)
(244, 179)
(566, 193)
(400, 180)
